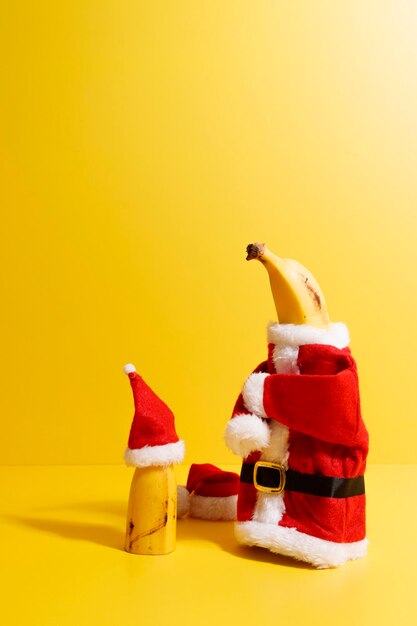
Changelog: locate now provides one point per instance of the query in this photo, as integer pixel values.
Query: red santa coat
(300, 409)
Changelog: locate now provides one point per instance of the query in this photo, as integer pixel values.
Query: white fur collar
(295, 335)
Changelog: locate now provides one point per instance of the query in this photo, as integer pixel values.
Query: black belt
(273, 478)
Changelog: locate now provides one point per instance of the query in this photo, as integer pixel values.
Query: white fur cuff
(246, 433)
(253, 394)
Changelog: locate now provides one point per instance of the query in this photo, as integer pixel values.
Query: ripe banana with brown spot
(297, 294)
(152, 511)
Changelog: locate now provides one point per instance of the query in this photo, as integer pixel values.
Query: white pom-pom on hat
(129, 368)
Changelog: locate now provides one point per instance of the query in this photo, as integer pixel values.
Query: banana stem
(297, 295)
(255, 251)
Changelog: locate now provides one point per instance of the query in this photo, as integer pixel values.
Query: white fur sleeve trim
(169, 454)
(212, 508)
(296, 335)
(246, 433)
(253, 393)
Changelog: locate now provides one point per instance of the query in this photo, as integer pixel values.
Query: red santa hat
(153, 439)
(210, 493)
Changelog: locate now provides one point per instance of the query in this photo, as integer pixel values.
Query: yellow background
(143, 145)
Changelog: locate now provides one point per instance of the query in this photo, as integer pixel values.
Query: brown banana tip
(255, 250)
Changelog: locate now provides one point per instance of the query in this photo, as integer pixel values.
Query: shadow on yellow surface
(103, 535)
(62, 560)
(188, 530)
(221, 534)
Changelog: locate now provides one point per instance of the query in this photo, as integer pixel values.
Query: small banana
(297, 295)
(153, 449)
(151, 515)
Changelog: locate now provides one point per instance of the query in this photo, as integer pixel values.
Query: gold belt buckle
(282, 477)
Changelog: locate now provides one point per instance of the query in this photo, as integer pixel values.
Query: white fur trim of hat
(168, 454)
(183, 501)
(213, 508)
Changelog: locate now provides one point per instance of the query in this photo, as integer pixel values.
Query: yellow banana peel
(297, 294)
(152, 511)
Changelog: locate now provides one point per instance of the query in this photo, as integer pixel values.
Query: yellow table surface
(62, 560)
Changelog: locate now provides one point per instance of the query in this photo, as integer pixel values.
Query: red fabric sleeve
(325, 405)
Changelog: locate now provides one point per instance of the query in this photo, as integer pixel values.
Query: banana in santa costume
(298, 426)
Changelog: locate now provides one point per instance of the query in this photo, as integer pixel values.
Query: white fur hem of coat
(290, 542)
